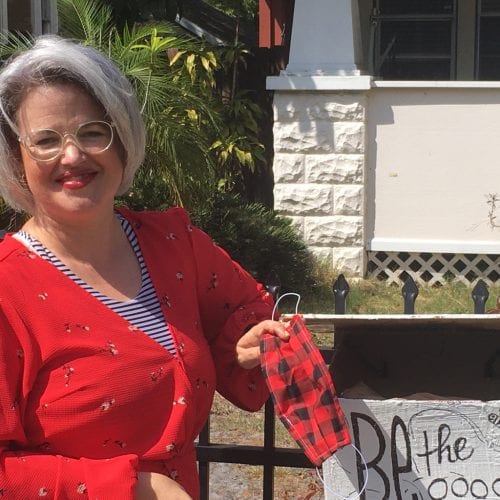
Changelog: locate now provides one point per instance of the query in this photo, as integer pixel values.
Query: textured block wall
(319, 146)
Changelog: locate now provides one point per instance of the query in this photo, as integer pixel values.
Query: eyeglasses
(48, 144)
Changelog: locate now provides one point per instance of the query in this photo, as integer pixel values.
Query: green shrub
(260, 240)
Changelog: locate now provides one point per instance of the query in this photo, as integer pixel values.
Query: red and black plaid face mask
(303, 392)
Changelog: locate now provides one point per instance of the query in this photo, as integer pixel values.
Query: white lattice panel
(430, 269)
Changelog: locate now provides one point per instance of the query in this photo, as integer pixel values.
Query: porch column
(44, 17)
(4, 20)
(319, 133)
(325, 38)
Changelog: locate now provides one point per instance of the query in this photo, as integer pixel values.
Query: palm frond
(12, 43)
(89, 21)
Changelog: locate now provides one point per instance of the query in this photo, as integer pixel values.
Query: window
(488, 46)
(414, 39)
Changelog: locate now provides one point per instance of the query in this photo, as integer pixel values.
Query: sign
(417, 450)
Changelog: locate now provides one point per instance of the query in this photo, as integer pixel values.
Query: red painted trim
(264, 23)
(274, 18)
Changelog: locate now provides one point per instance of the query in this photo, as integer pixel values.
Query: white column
(4, 18)
(320, 103)
(36, 17)
(325, 38)
(50, 16)
(44, 17)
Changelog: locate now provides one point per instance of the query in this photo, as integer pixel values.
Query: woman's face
(76, 186)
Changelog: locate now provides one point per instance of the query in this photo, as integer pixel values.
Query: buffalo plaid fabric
(303, 392)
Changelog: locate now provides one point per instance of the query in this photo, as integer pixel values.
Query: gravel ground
(230, 425)
(237, 482)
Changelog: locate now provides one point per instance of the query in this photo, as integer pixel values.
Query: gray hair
(55, 59)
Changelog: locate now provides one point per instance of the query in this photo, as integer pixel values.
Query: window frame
(378, 19)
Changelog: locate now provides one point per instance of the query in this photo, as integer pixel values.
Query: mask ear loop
(285, 295)
(365, 467)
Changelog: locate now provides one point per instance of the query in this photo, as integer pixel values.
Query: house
(387, 134)
(210, 24)
(29, 16)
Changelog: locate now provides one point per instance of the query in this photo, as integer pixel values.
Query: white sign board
(417, 450)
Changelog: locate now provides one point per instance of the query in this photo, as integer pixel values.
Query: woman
(116, 327)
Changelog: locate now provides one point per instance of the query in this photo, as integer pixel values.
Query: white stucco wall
(396, 167)
(433, 157)
(389, 167)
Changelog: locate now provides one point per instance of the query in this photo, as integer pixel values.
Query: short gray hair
(55, 59)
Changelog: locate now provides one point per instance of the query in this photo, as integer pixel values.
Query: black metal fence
(269, 456)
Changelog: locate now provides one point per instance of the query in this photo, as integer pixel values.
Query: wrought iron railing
(269, 456)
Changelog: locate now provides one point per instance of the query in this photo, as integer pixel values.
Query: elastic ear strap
(285, 295)
(365, 466)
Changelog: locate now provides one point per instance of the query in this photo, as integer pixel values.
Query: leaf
(86, 20)
(176, 57)
(205, 63)
(192, 114)
(11, 43)
(190, 64)
(211, 58)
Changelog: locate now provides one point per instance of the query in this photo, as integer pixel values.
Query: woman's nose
(71, 151)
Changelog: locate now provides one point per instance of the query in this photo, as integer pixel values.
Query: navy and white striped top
(144, 311)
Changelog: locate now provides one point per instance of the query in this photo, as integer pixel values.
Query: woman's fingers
(247, 348)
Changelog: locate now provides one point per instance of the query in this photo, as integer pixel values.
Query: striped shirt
(143, 311)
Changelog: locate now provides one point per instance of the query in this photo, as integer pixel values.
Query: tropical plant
(242, 9)
(200, 137)
(265, 243)
(172, 76)
(189, 143)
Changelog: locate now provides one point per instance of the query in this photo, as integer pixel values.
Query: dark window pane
(415, 70)
(398, 7)
(489, 68)
(489, 49)
(490, 6)
(415, 39)
(425, 38)
(489, 36)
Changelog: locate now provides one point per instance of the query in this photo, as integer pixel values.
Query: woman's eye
(90, 134)
(94, 133)
(46, 141)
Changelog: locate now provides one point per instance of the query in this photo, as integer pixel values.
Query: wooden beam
(274, 20)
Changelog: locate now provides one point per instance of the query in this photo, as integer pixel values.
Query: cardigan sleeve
(30, 474)
(231, 301)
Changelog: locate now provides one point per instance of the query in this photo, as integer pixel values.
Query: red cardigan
(86, 399)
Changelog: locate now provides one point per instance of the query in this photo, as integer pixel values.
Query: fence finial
(480, 295)
(410, 294)
(273, 284)
(340, 292)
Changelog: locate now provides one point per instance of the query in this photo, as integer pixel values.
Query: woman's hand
(247, 348)
(154, 486)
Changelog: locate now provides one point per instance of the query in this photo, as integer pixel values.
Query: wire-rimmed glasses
(47, 144)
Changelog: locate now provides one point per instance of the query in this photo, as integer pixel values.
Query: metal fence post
(340, 291)
(410, 293)
(480, 295)
(204, 466)
(273, 286)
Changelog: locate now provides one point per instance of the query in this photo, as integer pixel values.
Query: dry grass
(234, 481)
(372, 296)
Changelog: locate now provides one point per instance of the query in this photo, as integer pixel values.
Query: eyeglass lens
(91, 137)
